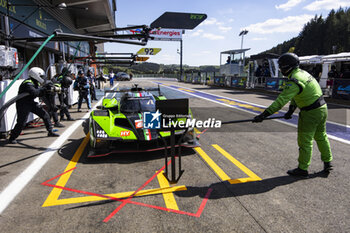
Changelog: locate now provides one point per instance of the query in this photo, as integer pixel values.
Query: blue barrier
(219, 81)
(276, 84)
(341, 89)
(239, 82)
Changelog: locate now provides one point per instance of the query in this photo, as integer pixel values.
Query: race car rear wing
(135, 89)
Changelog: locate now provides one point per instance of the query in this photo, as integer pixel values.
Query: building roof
(99, 15)
(235, 51)
(337, 57)
(313, 59)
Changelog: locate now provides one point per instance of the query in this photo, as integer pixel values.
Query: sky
(269, 22)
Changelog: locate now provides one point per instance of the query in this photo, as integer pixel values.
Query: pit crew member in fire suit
(27, 104)
(305, 93)
(65, 81)
(82, 84)
(49, 99)
(92, 83)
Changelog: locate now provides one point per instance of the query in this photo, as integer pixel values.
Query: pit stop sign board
(142, 59)
(149, 51)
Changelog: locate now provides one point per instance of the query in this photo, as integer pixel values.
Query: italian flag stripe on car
(149, 136)
(139, 94)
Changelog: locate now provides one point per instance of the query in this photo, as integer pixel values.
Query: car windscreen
(138, 105)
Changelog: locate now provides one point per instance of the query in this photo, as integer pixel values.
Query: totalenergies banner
(163, 34)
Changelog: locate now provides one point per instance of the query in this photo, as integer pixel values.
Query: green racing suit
(304, 91)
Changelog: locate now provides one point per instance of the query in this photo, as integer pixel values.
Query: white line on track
(283, 122)
(16, 186)
(259, 105)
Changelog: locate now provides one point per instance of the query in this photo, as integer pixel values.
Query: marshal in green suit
(305, 93)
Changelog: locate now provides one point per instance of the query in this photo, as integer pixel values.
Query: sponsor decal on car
(124, 133)
(138, 124)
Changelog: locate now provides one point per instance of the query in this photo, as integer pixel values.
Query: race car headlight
(100, 133)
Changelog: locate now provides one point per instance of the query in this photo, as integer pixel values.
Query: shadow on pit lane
(19, 160)
(20, 144)
(27, 132)
(92, 204)
(225, 189)
(68, 150)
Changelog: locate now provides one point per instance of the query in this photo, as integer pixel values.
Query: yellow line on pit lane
(237, 104)
(223, 176)
(76, 200)
(169, 198)
(52, 199)
(184, 89)
(197, 131)
(56, 192)
(252, 175)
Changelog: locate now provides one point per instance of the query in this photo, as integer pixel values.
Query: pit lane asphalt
(277, 203)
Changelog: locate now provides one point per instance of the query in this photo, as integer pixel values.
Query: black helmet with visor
(287, 63)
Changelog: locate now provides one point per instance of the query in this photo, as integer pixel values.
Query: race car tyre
(85, 126)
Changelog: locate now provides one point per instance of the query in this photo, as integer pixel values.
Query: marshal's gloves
(288, 115)
(261, 117)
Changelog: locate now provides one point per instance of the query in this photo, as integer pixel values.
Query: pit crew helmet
(66, 81)
(287, 62)
(37, 74)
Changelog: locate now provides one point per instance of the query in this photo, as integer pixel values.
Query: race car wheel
(93, 143)
(96, 144)
(85, 125)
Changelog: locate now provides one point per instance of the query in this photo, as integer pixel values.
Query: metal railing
(156, 76)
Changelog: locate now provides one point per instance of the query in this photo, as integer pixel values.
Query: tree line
(154, 68)
(320, 36)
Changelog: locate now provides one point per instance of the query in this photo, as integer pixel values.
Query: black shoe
(298, 172)
(79, 110)
(327, 166)
(12, 141)
(52, 134)
(58, 125)
(70, 119)
(62, 119)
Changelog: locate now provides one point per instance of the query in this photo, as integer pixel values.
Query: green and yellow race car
(118, 125)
